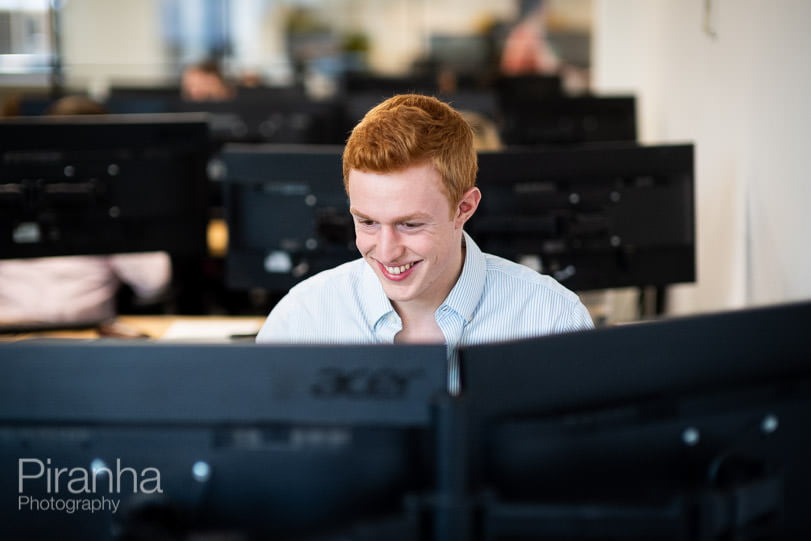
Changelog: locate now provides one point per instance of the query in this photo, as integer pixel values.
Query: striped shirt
(493, 300)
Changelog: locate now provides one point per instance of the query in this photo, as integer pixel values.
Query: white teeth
(398, 270)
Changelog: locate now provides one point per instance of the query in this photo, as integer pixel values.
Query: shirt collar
(374, 301)
(469, 288)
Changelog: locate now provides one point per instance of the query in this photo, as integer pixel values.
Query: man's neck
(422, 329)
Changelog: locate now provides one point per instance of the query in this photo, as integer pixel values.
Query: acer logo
(386, 383)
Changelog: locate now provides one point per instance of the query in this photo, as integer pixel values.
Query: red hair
(407, 130)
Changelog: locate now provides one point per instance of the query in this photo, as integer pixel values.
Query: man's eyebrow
(355, 212)
(417, 216)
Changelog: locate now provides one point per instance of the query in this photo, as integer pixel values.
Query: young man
(409, 169)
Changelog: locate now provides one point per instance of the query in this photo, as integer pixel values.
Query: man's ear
(467, 206)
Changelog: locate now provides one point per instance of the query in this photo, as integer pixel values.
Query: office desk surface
(181, 328)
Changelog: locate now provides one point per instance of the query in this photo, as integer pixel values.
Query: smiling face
(408, 233)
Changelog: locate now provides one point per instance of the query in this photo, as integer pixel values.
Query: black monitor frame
(101, 184)
(355, 82)
(124, 99)
(527, 87)
(267, 114)
(287, 213)
(567, 120)
(594, 217)
(280, 117)
(688, 428)
(291, 442)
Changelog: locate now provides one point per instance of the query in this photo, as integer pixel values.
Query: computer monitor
(593, 217)
(387, 85)
(482, 102)
(101, 184)
(123, 99)
(567, 120)
(528, 87)
(273, 116)
(682, 429)
(460, 53)
(35, 104)
(242, 440)
(287, 214)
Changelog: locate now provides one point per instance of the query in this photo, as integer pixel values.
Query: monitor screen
(101, 184)
(123, 440)
(287, 214)
(688, 428)
(593, 217)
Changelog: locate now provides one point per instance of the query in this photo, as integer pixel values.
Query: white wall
(104, 40)
(742, 97)
(115, 40)
(257, 27)
(399, 29)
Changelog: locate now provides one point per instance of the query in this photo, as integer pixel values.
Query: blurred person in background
(205, 82)
(526, 50)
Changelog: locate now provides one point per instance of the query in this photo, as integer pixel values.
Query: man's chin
(396, 291)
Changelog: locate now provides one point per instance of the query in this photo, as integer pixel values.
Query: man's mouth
(400, 272)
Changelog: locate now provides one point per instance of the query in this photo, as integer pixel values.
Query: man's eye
(412, 225)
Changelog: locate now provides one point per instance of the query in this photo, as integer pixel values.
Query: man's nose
(389, 247)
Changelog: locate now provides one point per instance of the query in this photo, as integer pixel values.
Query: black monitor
(287, 214)
(461, 54)
(567, 120)
(125, 105)
(123, 99)
(683, 429)
(154, 91)
(35, 104)
(528, 87)
(200, 441)
(388, 85)
(273, 116)
(594, 217)
(358, 103)
(101, 184)
(483, 102)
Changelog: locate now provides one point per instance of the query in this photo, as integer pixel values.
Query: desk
(180, 328)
